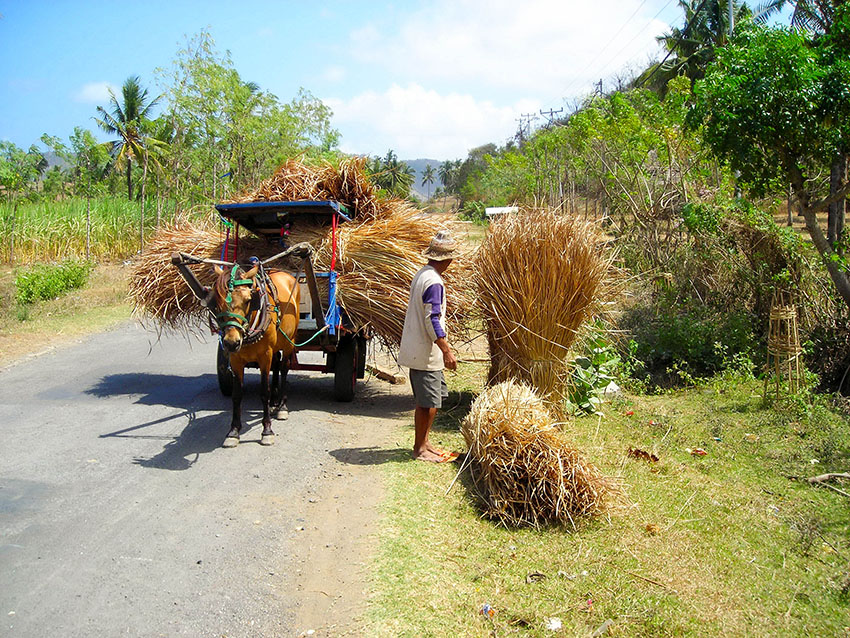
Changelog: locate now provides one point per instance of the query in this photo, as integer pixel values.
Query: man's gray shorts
(429, 388)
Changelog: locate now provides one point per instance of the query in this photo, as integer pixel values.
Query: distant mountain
(418, 166)
(54, 160)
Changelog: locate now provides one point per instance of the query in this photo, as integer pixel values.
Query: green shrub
(696, 341)
(701, 218)
(592, 372)
(474, 212)
(48, 281)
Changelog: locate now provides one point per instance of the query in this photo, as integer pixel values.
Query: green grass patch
(719, 545)
(41, 282)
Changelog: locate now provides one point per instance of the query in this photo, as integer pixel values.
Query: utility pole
(524, 129)
(550, 114)
(598, 86)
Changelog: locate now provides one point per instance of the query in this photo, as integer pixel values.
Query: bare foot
(428, 455)
(435, 450)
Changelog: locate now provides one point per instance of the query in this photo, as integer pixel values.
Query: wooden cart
(323, 325)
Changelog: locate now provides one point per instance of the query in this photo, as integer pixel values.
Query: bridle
(226, 318)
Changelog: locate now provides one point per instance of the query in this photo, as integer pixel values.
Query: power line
(675, 44)
(611, 41)
(619, 31)
(640, 33)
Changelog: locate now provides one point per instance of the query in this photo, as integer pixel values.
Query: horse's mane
(221, 285)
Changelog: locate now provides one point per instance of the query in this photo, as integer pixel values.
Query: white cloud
(333, 74)
(418, 122)
(548, 48)
(95, 93)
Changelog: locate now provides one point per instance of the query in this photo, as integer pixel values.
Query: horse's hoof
(231, 441)
(267, 439)
(282, 414)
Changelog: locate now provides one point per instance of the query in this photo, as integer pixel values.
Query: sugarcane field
(578, 366)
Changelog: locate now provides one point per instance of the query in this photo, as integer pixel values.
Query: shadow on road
(370, 455)
(203, 434)
(200, 436)
(163, 389)
(308, 391)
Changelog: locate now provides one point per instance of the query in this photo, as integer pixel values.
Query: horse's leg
(265, 366)
(238, 368)
(283, 411)
(276, 385)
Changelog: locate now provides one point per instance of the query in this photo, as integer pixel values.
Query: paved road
(121, 515)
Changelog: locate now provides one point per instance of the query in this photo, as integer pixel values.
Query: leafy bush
(592, 373)
(701, 218)
(697, 341)
(474, 212)
(48, 281)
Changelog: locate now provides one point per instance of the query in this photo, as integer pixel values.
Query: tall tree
(428, 176)
(446, 173)
(90, 161)
(19, 173)
(126, 119)
(815, 16)
(226, 126)
(774, 105)
(691, 47)
(818, 18)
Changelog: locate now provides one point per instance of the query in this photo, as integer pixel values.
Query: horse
(245, 302)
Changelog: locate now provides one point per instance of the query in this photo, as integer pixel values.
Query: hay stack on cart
(375, 254)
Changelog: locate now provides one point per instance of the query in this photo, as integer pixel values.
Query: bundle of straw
(296, 181)
(539, 275)
(378, 253)
(526, 472)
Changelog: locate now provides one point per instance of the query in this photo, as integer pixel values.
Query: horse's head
(233, 292)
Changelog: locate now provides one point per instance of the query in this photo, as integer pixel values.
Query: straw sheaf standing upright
(539, 275)
(526, 472)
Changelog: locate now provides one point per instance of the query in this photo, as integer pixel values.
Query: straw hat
(443, 247)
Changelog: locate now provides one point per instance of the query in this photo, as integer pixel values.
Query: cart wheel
(222, 368)
(345, 369)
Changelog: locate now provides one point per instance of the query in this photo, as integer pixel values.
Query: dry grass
(377, 253)
(527, 473)
(540, 275)
(346, 183)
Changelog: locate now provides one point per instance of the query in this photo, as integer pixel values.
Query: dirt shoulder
(37, 328)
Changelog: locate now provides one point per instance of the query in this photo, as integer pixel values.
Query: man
(424, 347)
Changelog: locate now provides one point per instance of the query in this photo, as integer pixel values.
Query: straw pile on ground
(378, 252)
(539, 275)
(526, 472)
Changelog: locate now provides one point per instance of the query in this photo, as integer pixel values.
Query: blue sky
(427, 79)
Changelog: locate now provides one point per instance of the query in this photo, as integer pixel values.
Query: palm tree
(428, 178)
(126, 119)
(706, 27)
(446, 173)
(815, 16)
